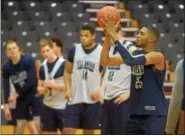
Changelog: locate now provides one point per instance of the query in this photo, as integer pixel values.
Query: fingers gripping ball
(106, 13)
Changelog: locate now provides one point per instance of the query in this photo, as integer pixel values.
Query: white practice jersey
(118, 78)
(55, 98)
(86, 77)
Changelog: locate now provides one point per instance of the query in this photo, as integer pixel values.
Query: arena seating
(29, 20)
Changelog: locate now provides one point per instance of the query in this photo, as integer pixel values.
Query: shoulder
(6, 67)
(27, 58)
(158, 54)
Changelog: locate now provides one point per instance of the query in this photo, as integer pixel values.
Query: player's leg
(49, 121)
(91, 118)
(22, 115)
(72, 118)
(155, 125)
(105, 119)
(13, 121)
(59, 117)
(119, 116)
(36, 110)
(135, 125)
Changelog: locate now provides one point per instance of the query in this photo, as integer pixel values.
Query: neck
(149, 47)
(59, 54)
(52, 59)
(16, 59)
(91, 46)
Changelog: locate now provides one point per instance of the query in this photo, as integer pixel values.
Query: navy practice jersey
(23, 77)
(147, 96)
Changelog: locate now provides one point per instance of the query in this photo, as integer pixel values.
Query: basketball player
(148, 103)
(176, 100)
(51, 85)
(83, 78)
(57, 46)
(115, 112)
(21, 71)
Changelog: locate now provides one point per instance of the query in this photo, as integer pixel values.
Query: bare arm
(105, 59)
(40, 88)
(67, 76)
(54, 85)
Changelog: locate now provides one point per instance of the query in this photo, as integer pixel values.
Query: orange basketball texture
(106, 13)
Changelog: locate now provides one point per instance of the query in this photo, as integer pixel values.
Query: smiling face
(147, 37)
(142, 38)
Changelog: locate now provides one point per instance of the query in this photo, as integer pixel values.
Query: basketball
(106, 13)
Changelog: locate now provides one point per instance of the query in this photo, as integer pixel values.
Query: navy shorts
(52, 119)
(28, 107)
(146, 125)
(114, 117)
(13, 122)
(84, 116)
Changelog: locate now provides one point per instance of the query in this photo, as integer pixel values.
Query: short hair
(13, 41)
(45, 43)
(89, 28)
(57, 41)
(154, 31)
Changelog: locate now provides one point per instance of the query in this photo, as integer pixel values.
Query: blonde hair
(44, 42)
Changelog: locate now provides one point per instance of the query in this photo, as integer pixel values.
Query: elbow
(127, 62)
(104, 63)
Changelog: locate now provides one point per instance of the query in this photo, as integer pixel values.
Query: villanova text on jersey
(19, 78)
(137, 75)
(86, 64)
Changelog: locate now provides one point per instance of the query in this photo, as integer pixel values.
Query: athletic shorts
(52, 119)
(114, 117)
(84, 116)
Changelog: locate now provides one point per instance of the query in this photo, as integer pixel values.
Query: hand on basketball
(122, 98)
(13, 98)
(96, 96)
(49, 83)
(7, 114)
(111, 29)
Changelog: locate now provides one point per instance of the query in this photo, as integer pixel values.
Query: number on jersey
(110, 76)
(139, 83)
(85, 75)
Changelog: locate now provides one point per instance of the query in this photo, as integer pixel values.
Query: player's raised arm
(130, 59)
(127, 51)
(105, 59)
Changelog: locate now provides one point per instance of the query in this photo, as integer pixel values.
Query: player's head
(57, 45)
(46, 50)
(12, 49)
(147, 36)
(87, 35)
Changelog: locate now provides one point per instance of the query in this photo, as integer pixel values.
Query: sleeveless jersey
(147, 96)
(118, 78)
(86, 77)
(54, 98)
